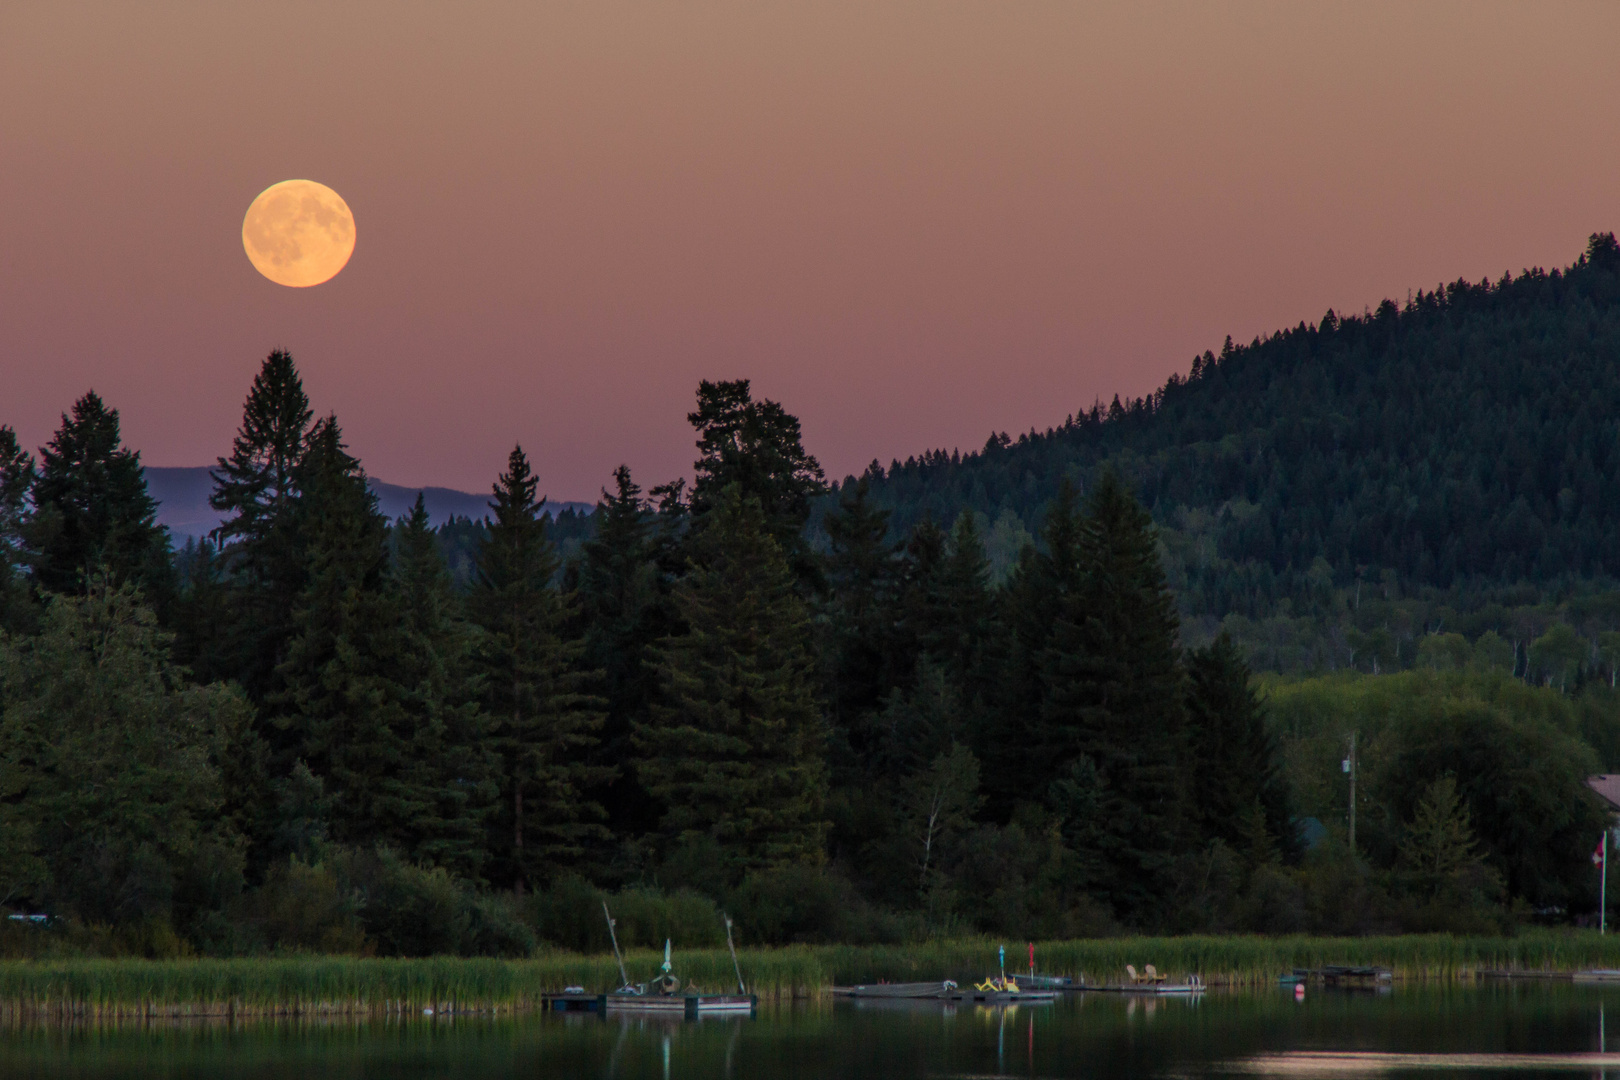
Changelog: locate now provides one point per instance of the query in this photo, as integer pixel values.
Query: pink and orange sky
(913, 223)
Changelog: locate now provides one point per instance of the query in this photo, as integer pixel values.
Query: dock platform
(678, 1006)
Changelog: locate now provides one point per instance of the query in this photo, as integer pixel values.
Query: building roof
(1608, 786)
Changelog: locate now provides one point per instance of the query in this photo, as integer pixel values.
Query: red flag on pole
(1598, 855)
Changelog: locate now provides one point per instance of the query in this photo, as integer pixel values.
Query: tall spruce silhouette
(542, 718)
(262, 550)
(1113, 697)
(734, 750)
(92, 515)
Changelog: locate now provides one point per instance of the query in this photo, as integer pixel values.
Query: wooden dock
(1148, 988)
(911, 991)
(1344, 975)
(675, 1006)
(1598, 975)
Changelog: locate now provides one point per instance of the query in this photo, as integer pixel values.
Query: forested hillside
(1460, 453)
(988, 694)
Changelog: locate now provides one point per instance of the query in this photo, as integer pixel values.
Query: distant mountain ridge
(182, 498)
(1468, 440)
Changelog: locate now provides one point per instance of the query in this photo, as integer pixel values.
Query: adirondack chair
(1152, 975)
(1130, 969)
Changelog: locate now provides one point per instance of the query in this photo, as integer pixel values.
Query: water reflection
(1486, 1030)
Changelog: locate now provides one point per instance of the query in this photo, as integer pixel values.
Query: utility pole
(1350, 767)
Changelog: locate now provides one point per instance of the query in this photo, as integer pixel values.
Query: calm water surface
(1493, 1030)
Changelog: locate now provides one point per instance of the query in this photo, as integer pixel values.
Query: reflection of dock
(1006, 997)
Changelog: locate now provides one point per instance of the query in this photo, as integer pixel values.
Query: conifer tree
(756, 446)
(543, 721)
(1233, 761)
(204, 615)
(922, 563)
(624, 608)
(1011, 739)
(734, 752)
(863, 571)
(261, 547)
(16, 482)
(962, 631)
(340, 698)
(1113, 697)
(92, 514)
(435, 667)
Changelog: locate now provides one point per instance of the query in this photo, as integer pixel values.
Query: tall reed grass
(312, 985)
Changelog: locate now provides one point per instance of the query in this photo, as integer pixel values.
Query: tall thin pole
(614, 937)
(1603, 894)
(741, 989)
(1350, 766)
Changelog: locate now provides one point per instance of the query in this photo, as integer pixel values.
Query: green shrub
(569, 914)
(798, 903)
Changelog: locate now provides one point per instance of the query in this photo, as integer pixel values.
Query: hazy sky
(912, 223)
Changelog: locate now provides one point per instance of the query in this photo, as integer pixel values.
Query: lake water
(1487, 1030)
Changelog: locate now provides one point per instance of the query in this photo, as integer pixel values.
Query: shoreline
(348, 986)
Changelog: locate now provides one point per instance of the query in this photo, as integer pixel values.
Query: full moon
(298, 233)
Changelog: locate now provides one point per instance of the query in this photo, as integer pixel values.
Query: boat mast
(624, 977)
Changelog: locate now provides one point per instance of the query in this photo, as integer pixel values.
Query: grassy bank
(351, 985)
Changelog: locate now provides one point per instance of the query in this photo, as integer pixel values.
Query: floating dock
(1148, 988)
(1343, 974)
(942, 990)
(688, 1006)
(1598, 975)
(679, 1006)
(946, 990)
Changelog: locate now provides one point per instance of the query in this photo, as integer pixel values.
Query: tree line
(1461, 444)
(309, 732)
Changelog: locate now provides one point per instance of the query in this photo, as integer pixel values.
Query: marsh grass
(341, 985)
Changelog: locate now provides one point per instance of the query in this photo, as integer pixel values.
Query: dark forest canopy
(1471, 437)
(1010, 692)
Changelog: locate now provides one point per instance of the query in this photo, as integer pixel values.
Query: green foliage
(92, 516)
(109, 762)
(372, 902)
(864, 726)
(261, 540)
(434, 664)
(1515, 752)
(734, 751)
(1235, 766)
(542, 721)
(16, 481)
(624, 607)
(347, 698)
(569, 914)
(937, 805)
(755, 447)
(1114, 696)
(358, 985)
(1464, 443)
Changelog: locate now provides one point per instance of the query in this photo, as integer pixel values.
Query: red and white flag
(1597, 856)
